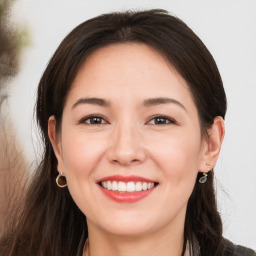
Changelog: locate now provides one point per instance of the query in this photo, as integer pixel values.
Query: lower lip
(126, 197)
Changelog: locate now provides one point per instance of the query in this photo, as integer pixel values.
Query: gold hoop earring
(61, 180)
(204, 178)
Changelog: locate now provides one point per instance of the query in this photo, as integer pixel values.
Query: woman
(131, 110)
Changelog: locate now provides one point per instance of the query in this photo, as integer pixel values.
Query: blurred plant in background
(13, 173)
(12, 41)
(9, 44)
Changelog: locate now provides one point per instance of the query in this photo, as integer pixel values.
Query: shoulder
(237, 250)
(243, 251)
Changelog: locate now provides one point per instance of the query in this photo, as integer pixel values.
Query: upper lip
(126, 179)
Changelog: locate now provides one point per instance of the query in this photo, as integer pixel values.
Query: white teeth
(130, 187)
(145, 186)
(109, 185)
(127, 187)
(121, 186)
(138, 186)
(150, 185)
(114, 186)
(104, 184)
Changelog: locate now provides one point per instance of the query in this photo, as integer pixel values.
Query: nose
(126, 147)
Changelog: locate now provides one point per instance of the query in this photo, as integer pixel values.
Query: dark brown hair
(51, 223)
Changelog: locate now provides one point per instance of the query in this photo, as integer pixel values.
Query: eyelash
(162, 120)
(167, 120)
(90, 119)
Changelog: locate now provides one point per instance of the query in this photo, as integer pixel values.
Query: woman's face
(129, 123)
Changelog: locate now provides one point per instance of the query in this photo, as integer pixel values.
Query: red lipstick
(125, 178)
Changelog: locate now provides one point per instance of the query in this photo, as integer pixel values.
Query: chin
(128, 224)
(128, 230)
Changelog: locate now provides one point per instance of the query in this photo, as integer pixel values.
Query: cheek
(80, 154)
(178, 159)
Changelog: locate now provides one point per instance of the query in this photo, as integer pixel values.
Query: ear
(55, 141)
(212, 145)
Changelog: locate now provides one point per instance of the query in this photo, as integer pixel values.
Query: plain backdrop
(227, 27)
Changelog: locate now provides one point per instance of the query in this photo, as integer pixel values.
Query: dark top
(230, 249)
(237, 250)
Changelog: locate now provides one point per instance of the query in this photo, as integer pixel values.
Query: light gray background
(227, 27)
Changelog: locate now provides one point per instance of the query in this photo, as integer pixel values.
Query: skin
(129, 141)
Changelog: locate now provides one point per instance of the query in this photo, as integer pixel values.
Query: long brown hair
(51, 223)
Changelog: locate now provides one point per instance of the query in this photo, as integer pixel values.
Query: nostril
(125, 161)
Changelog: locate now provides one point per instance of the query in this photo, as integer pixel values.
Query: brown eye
(96, 120)
(160, 120)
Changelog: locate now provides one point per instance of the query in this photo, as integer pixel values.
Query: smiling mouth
(127, 187)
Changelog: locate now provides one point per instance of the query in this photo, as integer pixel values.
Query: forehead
(132, 57)
(128, 68)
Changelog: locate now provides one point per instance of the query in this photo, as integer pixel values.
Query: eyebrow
(93, 101)
(147, 103)
(159, 101)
